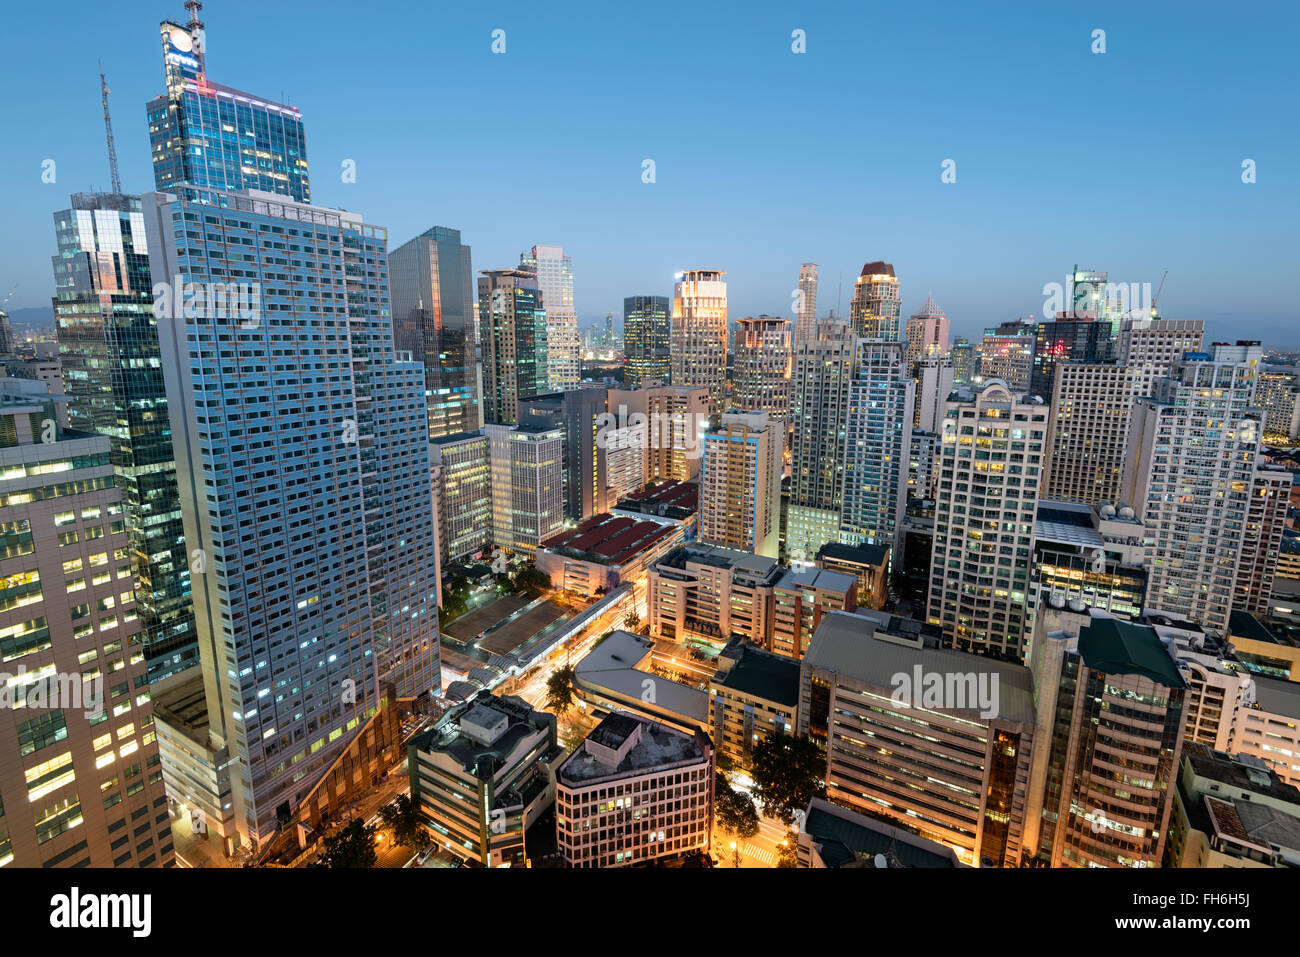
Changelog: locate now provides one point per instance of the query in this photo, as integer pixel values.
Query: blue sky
(1128, 161)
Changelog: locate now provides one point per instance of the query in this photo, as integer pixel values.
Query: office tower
(305, 493)
(761, 375)
(698, 349)
(1188, 469)
(1110, 707)
(1150, 347)
(609, 337)
(965, 361)
(1087, 431)
(805, 320)
(926, 333)
(934, 383)
(646, 335)
(1277, 394)
(1093, 297)
(675, 419)
(952, 764)
(512, 336)
(819, 396)
(984, 520)
(635, 791)
(112, 371)
(1066, 340)
(1088, 553)
(47, 370)
(877, 446)
(206, 134)
(563, 345)
(7, 340)
(435, 319)
(464, 495)
(578, 414)
(483, 775)
(527, 483)
(1007, 353)
(753, 696)
(710, 594)
(740, 484)
(1270, 491)
(875, 310)
(80, 777)
(923, 464)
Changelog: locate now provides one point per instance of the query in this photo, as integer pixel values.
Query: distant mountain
(34, 319)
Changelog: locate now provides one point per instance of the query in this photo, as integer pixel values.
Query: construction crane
(108, 131)
(1156, 298)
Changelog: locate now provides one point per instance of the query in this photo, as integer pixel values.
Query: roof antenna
(108, 133)
(195, 26)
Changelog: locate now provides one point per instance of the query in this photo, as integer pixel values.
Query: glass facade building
(646, 334)
(206, 134)
(512, 331)
(108, 345)
(435, 318)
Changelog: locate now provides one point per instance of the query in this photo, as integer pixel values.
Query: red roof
(609, 539)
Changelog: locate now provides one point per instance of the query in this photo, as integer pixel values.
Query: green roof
(765, 676)
(1117, 647)
(842, 839)
(1242, 624)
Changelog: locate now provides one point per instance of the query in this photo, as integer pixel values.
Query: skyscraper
(435, 318)
(305, 490)
(675, 418)
(1189, 466)
(993, 446)
(464, 494)
(878, 445)
(934, 383)
(823, 377)
(1007, 353)
(740, 484)
(1270, 491)
(875, 311)
(512, 332)
(926, 333)
(576, 413)
(699, 333)
(965, 361)
(7, 340)
(563, 344)
(112, 371)
(206, 134)
(1087, 431)
(646, 335)
(761, 371)
(81, 759)
(527, 483)
(1066, 340)
(805, 325)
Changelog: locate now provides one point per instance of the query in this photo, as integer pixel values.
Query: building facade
(698, 346)
(563, 344)
(512, 337)
(646, 336)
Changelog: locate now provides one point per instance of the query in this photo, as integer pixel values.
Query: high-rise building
(740, 484)
(206, 134)
(993, 446)
(1066, 340)
(1087, 431)
(711, 593)
(1278, 394)
(934, 383)
(563, 344)
(80, 777)
(305, 490)
(953, 766)
(875, 312)
(1109, 732)
(698, 348)
(7, 340)
(824, 369)
(1007, 352)
(435, 319)
(512, 336)
(646, 336)
(805, 320)
(527, 483)
(926, 333)
(965, 361)
(762, 368)
(578, 414)
(464, 490)
(635, 791)
(1189, 466)
(112, 371)
(877, 446)
(1150, 347)
(1093, 297)
(674, 418)
(1270, 491)
(923, 464)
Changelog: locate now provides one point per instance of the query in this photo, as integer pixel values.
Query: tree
(734, 809)
(402, 817)
(632, 621)
(536, 583)
(788, 772)
(455, 596)
(787, 854)
(560, 689)
(354, 846)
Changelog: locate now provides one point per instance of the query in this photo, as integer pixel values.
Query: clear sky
(1128, 161)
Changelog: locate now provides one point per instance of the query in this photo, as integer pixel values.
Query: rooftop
(659, 747)
(846, 837)
(863, 554)
(672, 493)
(807, 576)
(609, 539)
(1116, 647)
(763, 675)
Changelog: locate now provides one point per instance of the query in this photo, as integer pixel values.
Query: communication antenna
(195, 26)
(108, 133)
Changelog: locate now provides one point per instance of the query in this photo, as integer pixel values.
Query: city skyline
(984, 245)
